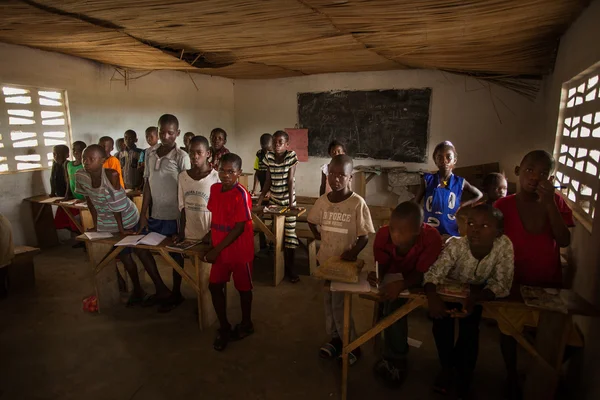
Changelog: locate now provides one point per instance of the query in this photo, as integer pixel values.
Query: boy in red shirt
(537, 221)
(407, 246)
(232, 250)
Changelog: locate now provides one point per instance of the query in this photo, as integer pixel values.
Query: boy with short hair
(537, 221)
(345, 223)
(407, 246)
(164, 162)
(232, 250)
(130, 160)
(111, 161)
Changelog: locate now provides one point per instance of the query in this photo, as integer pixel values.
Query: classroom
(444, 163)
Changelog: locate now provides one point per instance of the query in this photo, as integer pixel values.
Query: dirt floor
(51, 349)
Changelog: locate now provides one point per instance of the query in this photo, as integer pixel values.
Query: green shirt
(71, 169)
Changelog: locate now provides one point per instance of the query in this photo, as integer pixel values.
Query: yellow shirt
(113, 163)
(7, 249)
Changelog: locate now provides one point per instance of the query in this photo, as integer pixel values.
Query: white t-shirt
(341, 224)
(193, 196)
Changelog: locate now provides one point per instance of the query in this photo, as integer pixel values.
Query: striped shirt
(279, 177)
(107, 201)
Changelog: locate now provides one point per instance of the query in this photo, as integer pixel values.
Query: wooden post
(279, 231)
(346, 339)
(312, 255)
(43, 223)
(206, 312)
(105, 279)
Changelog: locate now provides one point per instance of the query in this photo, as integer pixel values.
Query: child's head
(130, 138)
(187, 138)
(168, 129)
(121, 145)
(230, 169)
(60, 153)
(340, 172)
(93, 158)
(335, 148)
(199, 151)
(152, 136)
(405, 224)
(535, 167)
(495, 186)
(484, 224)
(445, 156)
(78, 148)
(218, 138)
(280, 142)
(462, 220)
(108, 144)
(266, 142)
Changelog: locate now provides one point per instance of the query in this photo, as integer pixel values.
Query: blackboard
(380, 124)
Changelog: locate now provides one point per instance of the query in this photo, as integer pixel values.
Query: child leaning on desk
(345, 222)
(408, 247)
(483, 257)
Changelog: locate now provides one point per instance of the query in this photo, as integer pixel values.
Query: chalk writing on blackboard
(380, 124)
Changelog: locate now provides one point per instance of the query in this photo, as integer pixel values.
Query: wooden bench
(21, 272)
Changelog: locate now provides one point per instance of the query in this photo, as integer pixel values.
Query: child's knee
(216, 288)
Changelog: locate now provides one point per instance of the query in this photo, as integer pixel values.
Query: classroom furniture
(547, 350)
(275, 234)
(243, 180)
(21, 272)
(103, 252)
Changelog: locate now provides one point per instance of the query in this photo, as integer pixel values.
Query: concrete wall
(462, 111)
(100, 107)
(577, 52)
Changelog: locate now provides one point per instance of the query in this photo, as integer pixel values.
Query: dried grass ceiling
(281, 38)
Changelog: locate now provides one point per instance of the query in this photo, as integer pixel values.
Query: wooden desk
(243, 180)
(103, 252)
(276, 235)
(547, 351)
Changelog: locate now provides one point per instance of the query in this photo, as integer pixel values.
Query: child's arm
(93, 212)
(146, 196)
(255, 183)
(323, 186)
(181, 236)
(476, 192)
(265, 188)
(437, 275)
(352, 254)
(213, 253)
(420, 192)
(560, 231)
(68, 194)
(315, 231)
(113, 177)
(52, 183)
(181, 203)
(291, 174)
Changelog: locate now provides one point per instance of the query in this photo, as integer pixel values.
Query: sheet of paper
(362, 286)
(51, 199)
(98, 235)
(152, 239)
(130, 240)
(69, 202)
(387, 279)
(299, 142)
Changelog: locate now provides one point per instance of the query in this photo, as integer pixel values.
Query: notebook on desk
(151, 239)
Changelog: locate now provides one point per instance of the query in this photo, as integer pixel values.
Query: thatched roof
(280, 38)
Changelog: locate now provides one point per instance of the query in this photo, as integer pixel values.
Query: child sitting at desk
(335, 148)
(111, 162)
(483, 257)
(232, 251)
(345, 222)
(537, 221)
(164, 163)
(407, 246)
(111, 209)
(7, 253)
(218, 140)
(194, 191)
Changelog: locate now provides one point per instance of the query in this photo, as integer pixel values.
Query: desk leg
(206, 312)
(279, 231)
(552, 335)
(87, 222)
(346, 339)
(72, 218)
(43, 223)
(105, 279)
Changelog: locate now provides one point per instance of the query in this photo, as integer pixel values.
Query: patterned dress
(441, 203)
(280, 191)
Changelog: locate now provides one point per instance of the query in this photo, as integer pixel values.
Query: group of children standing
(193, 193)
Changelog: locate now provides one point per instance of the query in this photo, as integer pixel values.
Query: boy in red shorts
(232, 250)
(537, 221)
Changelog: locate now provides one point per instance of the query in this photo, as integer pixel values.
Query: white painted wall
(100, 107)
(462, 111)
(577, 52)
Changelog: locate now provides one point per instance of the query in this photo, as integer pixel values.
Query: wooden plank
(206, 312)
(263, 228)
(43, 225)
(279, 231)
(105, 280)
(173, 264)
(67, 211)
(312, 255)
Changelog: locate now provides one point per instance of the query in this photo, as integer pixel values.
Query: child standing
(7, 253)
(218, 139)
(260, 169)
(281, 170)
(110, 207)
(345, 222)
(151, 134)
(484, 258)
(443, 191)
(232, 250)
(121, 149)
(194, 191)
(335, 148)
(164, 163)
(72, 168)
(187, 138)
(111, 162)
(537, 221)
(495, 187)
(130, 161)
(407, 246)
(58, 182)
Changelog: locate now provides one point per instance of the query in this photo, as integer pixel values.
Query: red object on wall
(299, 142)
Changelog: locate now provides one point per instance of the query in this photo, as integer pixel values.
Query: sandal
(222, 339)
(353, 356)
(170, 303)
(240, 332)
(331, 349)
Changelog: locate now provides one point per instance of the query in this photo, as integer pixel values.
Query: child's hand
(545, 191)
(372, 279)
(143, 225)
(211, 256)
(392, 291)
(348, 256)
(127, 232)
(437, 308)
(177, 238)
(468, 305)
